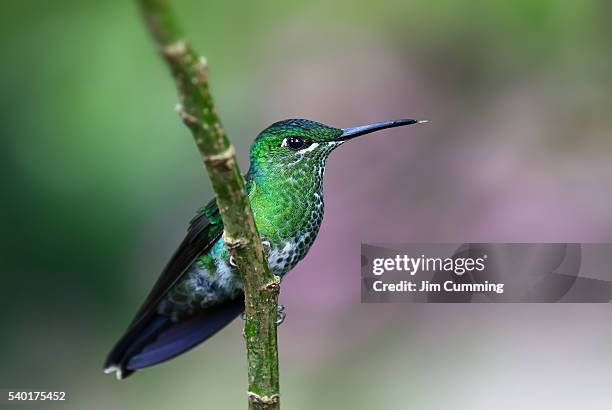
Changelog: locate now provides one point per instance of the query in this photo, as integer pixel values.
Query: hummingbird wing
(152, 338)
(204, 230)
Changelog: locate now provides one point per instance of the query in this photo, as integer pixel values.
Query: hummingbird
(200, 290)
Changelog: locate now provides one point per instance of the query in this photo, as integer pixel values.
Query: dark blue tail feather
(157, 339)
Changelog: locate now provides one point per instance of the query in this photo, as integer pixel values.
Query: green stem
(261, 287)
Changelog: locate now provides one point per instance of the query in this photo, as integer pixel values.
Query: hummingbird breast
(287, 250)
(289, 218)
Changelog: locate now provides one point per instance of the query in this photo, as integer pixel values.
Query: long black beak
(348, 133)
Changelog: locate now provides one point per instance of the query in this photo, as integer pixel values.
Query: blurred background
(99, 179)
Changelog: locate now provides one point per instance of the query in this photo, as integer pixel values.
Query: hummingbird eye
(296, 143)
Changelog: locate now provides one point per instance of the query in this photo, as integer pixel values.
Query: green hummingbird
(200, 290)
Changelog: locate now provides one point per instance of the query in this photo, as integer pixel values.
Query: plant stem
(261, 287)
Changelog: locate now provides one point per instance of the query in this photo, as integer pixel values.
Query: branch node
(187, 118)
(222, 158)
(234, 243)
(263, 401)
(175, 50)
(274, 286)
(201, 71)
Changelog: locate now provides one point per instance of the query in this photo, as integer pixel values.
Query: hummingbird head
(302, 143)
(285, 180)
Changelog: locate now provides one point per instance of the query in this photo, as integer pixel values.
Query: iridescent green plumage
(200, 289)
(284, 187)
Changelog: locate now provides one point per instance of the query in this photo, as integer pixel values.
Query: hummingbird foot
(280, 315)
(267, 248)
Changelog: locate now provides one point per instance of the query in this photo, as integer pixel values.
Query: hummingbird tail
(157, 338)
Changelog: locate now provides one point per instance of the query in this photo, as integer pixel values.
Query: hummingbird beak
(348, 133)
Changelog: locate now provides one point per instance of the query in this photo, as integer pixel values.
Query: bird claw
(267, 245)
(280, 315)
